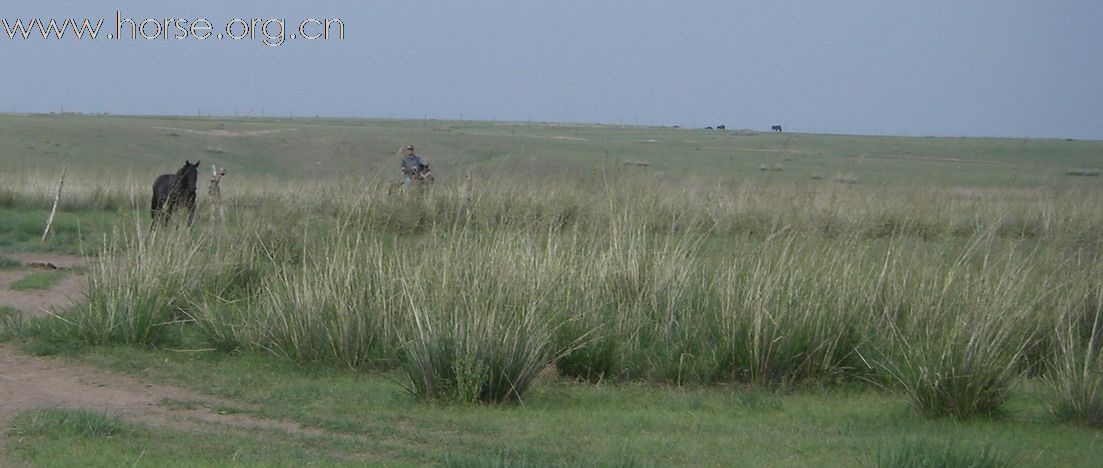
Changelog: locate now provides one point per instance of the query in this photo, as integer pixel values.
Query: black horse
(776, 128)
(172, 191)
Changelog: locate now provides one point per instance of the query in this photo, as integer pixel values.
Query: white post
(214, 192)
(53, 210)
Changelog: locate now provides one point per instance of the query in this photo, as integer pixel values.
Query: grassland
(38, 280)
(863, 300)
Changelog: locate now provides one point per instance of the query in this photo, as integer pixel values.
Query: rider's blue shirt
(410, 164)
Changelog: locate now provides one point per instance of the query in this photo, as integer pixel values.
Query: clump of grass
(1076, 375)
(791, 312)
(56, 422)
(11, 322)
(594, 359)
(913, 453)
(334, 308)
(220, 323)
(137, 288)
(491, 336)
(9, 262)
(956, 334)
(39, 280)
(632, 307)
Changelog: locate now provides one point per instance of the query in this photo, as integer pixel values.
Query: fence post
(214, 192)
(57, 197)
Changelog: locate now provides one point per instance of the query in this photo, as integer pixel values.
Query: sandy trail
(28, 382)
(228, 133)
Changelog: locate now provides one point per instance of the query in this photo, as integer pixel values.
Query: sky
(943, 68)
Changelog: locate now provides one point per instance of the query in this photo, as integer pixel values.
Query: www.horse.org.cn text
(272, 32)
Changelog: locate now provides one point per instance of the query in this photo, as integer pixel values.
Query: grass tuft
(39, 280)
(1076, 375)
(913, 453)
(9, 262)
(56, 422)
(957, 334)
(12, 323)
(490, 340)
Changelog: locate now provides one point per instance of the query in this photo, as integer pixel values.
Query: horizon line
(519, 122)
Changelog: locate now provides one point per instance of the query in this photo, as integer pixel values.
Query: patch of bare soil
(228, 133)
(44, 260)
(34, 302)
(28, 382)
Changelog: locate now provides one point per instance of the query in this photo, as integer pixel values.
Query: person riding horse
(414, 169)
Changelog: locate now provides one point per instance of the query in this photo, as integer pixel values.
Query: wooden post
(214, 192)
(53, 211)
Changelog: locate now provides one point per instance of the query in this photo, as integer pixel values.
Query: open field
(570, 294)
(125, 150)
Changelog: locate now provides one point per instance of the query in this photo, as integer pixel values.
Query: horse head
(187, 176)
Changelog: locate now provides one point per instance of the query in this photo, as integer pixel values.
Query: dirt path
(35, 302)
(228, 133)
(28, 382)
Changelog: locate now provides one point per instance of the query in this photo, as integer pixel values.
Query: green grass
(39, 280)
(57, 422)
(718, 312)
(147, 146)
(475, 308)
(563, 423)
(1076, 378)
(71, 437)
(72, 231)
(9, 262)
(924, 453)
(11, 322)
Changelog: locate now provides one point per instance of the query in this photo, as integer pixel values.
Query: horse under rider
(411, 165)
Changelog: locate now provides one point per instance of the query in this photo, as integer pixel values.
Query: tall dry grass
(472, 289)
(1076, 371)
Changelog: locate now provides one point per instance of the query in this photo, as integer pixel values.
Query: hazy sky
(955, 68)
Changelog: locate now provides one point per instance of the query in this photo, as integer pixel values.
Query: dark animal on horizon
(174, 191)
(721, 127)
(708, 128)
(776, 128)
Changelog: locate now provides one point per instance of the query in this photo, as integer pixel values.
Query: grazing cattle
(708, 128)
(721, 127)
(171, 191)
(776, 128)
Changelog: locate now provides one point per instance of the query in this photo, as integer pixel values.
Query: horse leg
(190, 208)
(155, 211)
